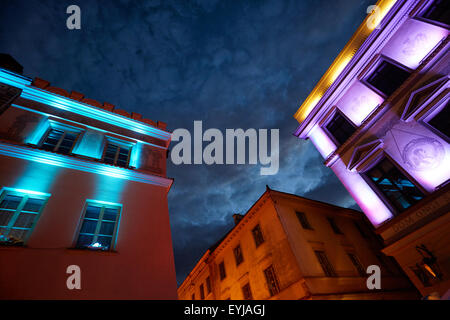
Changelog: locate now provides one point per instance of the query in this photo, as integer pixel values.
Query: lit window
(272, 281)
(439, 11)
(441, 121)
(325, 263)
(340, 128)
(19, 212)
(60, 141)
(301, 216)
(358, 266)
(393, 184)
(238, 255)
(334, 226)
(247, 292)
(99, 226)
(257, 235)
(387, 77)
(222, 272)
(116, 154)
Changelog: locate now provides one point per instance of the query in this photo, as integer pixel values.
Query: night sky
(229, 63)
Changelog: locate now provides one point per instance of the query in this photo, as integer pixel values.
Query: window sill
(97, 251)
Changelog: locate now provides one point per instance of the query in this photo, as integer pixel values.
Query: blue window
(19, 213)
(59, 141)
(99, 226)
(117, 154)
(393, 184)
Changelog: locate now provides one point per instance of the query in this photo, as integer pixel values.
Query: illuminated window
(208, 284)
(202, 292)
(257, 235)
(301, 216)
(116, 153)
(358, 266)
(99, 226)
(238, 255)
(441, 121)
(387, 77)
(247, 292)
(325, 263)
(340, 128)
(334, 226)
(60, 141)
(222, 272)
(439, 11)
(272, 281)
(393, 184)
(19, 212)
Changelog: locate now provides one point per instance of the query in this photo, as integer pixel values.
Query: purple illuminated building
(380, 118)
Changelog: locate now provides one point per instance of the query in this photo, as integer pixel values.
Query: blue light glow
(14, 79)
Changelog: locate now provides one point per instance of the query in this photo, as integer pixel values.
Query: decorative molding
(363, 154)
(50, 158)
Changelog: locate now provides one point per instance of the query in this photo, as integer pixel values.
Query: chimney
(9, 63)
(237, 217)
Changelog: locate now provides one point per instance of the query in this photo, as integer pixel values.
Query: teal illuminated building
(81, 183)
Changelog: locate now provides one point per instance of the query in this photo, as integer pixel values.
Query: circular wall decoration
(423, 154)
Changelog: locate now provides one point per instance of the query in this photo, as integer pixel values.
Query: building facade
(287, 247)
(380, 118)
(82, 186)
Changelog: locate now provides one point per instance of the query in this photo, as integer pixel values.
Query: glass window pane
(88, 226)
(84, 240)
(25, 220)
(107, 228)
(4, 234)
(104, 241)
(10, 202)
(110, 214)
(93, 212)
(18, 234)
(5, 216)
(33, 205)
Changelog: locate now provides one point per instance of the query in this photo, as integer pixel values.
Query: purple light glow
(358, 102)
(321, 141)
(413, 41)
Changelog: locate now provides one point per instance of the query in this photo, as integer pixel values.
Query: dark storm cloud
(232, 64)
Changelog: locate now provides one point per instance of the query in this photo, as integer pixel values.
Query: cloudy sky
(230, 63)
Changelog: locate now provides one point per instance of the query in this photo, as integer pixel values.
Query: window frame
(329, 118)
(395, 212)
(374, 66)
(420, 16)
(327, 267)
(333, 225)
(119, 144)
(258, 236)
(249, 292)
(275, 280)
(208, 285)
(25, 194)
(54, 125)
(306, 225)
(103, 205)
(356, 262)
(238, 255)
(222, 271)
(431, 113)
(202, 291)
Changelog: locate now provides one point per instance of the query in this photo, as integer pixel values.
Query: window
(19, 212)
(272, 281)
(99, 226)
(247, 292)
(208, 284)
(193, 296)
(325, 264)
(360, 230)
(357, 264)
(334, 226)
(202, 292)
(301, 216)
(222, 271)
(439, 11)
(238, 255)
(392, 183)
(441, 121)
(60, 141)
(387, 77)
(116, 153)
(257, 235)
(384, 263)
(340, 128)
